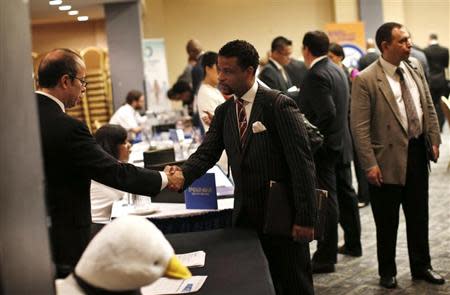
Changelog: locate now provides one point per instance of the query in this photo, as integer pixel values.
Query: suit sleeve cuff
(164, 180)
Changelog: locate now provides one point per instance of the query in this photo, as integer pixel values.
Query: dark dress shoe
(322, 267)
(430, 276)
(388, 282)
(350, 252)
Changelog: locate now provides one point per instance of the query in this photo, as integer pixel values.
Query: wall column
(25, 260)
(124, 37)
(371, 13)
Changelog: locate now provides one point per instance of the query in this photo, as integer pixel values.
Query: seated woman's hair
(109, 137)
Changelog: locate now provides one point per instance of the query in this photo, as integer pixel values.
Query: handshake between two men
(175, 177)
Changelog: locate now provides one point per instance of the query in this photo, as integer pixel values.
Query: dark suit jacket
(71, 159)
(260, 160)
(197, 74)
(273, 78)
(296, 70)
(367, 59)
(324, 99)
(437, 57)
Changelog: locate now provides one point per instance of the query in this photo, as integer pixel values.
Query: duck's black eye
(156, 262)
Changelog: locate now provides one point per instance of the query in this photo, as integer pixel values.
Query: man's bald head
(57, 63)
(193, 48)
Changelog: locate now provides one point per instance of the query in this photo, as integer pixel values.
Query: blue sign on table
(202, 193)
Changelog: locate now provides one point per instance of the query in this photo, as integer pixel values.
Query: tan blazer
(380, 137)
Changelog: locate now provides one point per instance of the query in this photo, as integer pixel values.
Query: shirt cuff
(164, 180)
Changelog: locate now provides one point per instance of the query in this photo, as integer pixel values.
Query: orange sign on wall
(351, 37)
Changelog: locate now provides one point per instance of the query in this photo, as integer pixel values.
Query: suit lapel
(416, 76)
(255, 115)
(233, 123)
(283, 83)
(389, 95)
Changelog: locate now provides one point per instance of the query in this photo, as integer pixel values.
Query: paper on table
(170, 286)
(193, 259)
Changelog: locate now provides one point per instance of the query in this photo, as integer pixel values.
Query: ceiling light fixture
(73, 12)
(65, 7)
(82, 18)
(55, 2)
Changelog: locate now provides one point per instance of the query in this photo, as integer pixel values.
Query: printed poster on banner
(156, 75)
(351, 36)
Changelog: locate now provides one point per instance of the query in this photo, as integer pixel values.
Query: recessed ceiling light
(55, 2)
(65, 7)
(73, 12)
(82, 18)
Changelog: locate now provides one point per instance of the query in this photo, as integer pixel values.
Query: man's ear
(65, 80)
(250, 71)
(384, 45)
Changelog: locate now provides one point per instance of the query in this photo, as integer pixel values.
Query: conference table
(175, 218)
(235, 262)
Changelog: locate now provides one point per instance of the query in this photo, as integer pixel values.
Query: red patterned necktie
(242, 119)
(414, 128)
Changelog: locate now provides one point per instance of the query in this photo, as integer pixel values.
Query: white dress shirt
(394, 82)
(316, 60)
(249, 98)
(127, 117)
(102, 199)
(208, 99)
(280, 68)
(61, 105)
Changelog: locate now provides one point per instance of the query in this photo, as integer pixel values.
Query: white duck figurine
(129, 253)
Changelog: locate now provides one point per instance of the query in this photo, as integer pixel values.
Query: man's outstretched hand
(175, 177)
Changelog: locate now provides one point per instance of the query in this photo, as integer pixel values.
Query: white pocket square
(258, 127)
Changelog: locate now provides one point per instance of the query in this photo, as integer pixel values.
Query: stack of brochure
(165, 286)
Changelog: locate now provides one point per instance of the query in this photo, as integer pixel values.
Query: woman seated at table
(113, 139)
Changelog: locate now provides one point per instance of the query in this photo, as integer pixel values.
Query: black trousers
(325, 160)
(348, 207)
(363, 184)
(436, 94)
(68, 243)
(413, 197)
(289, 264)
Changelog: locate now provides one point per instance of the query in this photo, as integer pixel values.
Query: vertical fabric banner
(351, 37)
(156, 75)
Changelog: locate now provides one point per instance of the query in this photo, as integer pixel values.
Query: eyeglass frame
(84, 83)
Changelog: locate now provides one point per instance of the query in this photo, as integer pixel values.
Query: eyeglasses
(83, 82)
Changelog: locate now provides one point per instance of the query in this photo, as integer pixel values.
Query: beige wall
(215, 22)
(74, 35)
(421, 17)
(425, 17)
(346, 11)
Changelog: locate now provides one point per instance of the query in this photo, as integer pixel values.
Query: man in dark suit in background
(261, 151)
(392, 119)
(437, 57)
(296, 70)
(370, 56)
(273, 74)
(324, 101)
(72, 158)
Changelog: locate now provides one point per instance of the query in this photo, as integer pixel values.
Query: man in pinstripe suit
(241, 127)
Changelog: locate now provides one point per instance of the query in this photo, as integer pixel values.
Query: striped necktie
(242, 119)
(414, 128)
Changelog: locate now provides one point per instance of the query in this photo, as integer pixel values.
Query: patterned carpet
(360, 275)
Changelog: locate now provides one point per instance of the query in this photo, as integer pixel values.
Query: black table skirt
(235, 263)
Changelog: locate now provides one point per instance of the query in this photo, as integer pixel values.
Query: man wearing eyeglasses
(72, 158)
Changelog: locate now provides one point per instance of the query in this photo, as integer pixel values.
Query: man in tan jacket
(396, 133)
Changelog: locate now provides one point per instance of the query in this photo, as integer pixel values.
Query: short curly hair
(245, 53)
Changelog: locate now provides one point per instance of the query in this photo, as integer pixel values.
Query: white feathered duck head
(127, 254)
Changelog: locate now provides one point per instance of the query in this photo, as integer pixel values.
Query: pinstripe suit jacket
(261, 159)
